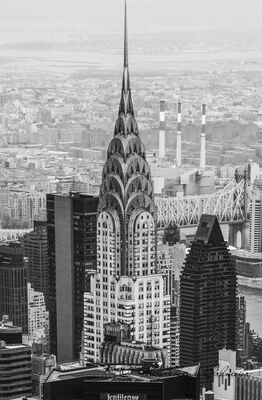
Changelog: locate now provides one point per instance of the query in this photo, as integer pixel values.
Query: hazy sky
(108, 13)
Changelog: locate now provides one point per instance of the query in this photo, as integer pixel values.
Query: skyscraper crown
(126, 123)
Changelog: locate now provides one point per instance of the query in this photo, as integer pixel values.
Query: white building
(38, 316)
(126, 287)
(232, 383)
(255, 227)
(24, 206)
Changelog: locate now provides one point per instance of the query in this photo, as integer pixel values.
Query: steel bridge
(229, 204)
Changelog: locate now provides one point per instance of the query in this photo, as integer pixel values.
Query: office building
(42, 365)
(71, 229)
(207, 300)
(255, 227)
(9, 333)
(25, 207)
(13, 284)
(232, 383)
(170, 261)
(36, 250)
(126, 287)
(242, 339)
(38, 316)
(122, 383)
(15, 364)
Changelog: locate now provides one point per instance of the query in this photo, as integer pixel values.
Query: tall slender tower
(178, 136)
(255, 227)
(126, 288)
(203, 139)
(162, 132)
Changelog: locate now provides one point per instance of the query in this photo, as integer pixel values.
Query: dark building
(171, 234)
(13, 284)
(71, 234)
(207, 300)
(36, 250)
(9, 333)
(15, 364)
(122, 383)
(242, 337)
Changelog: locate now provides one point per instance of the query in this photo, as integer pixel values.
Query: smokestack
(203, 139)
(178, 136)
(162, 133)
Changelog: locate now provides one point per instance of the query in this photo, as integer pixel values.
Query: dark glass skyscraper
(72, 256)
(207, 300)
(13, 284)
(35, 249)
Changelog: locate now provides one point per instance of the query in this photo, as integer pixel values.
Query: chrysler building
(125, 288)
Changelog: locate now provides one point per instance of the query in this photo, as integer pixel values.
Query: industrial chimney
(178, 136)
(203, 139)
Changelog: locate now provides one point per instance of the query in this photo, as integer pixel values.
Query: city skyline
(131, 229)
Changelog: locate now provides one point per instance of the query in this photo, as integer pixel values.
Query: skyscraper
(126, 287)
(35, 249)
(255, 228)
(72, 256)
(207, 300)
(13, 284)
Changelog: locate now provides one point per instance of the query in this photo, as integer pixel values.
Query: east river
(254, 307)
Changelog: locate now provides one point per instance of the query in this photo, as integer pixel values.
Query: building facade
(15, 364)
(207, 300)
(232, 383)
(126, 287)
(38, 316)
(71, 233)
(255, 227)
(169, 263)
(13, 284)
(42, 365)
(36, 251)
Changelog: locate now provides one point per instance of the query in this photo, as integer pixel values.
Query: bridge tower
(239, 231)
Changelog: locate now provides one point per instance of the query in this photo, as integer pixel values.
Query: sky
(107, 14)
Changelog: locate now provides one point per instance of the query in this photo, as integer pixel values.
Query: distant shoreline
(64, 60)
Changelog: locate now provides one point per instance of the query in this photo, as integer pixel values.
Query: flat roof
(15, 346)
(103, 374)
(58, 375)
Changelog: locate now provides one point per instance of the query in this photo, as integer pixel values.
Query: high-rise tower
(255, 228)
(71, 232)
(13, 284)
(35, 246)
(207, 300)
(126, 287)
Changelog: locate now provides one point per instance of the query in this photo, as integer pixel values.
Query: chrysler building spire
(125, 41)
(126, 122)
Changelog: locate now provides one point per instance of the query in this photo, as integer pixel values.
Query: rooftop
(118, 374)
